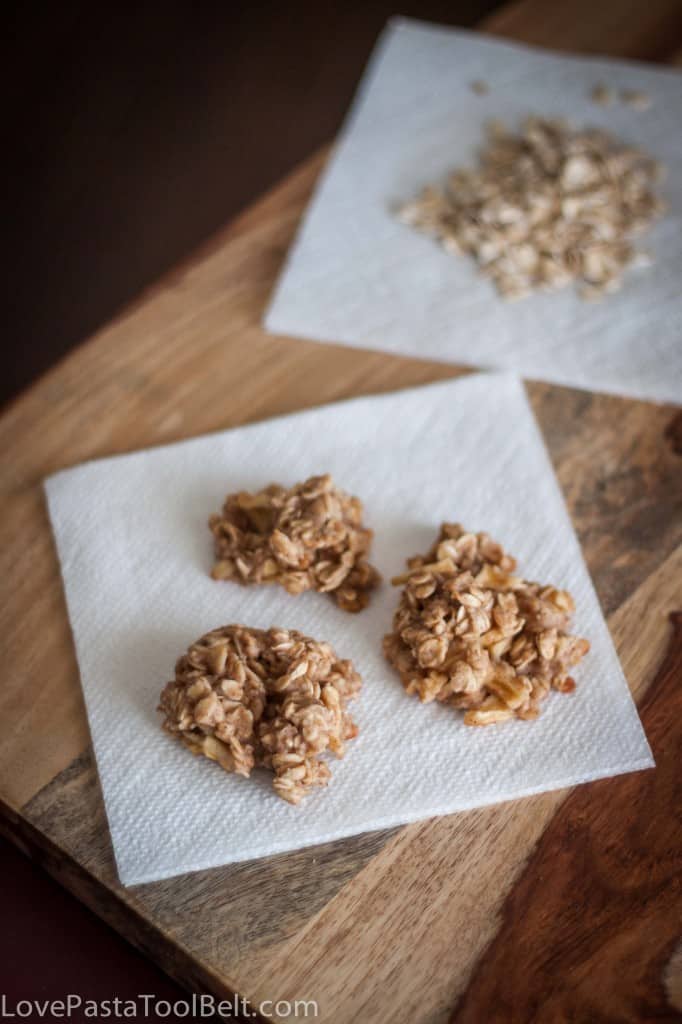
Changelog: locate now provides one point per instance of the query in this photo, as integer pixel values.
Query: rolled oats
(636, 99)
(308, 537)
(471, 633)
(602, 95)
(544, 208)
(272, 698)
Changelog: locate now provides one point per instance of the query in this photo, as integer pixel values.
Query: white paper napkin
(135, 553)
(358, 276)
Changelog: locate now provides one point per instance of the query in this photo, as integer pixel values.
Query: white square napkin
(357, 275)
(136, 552)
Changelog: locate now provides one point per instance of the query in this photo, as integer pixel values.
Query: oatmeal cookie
(307, 537)
(471, 633)
(272, 698)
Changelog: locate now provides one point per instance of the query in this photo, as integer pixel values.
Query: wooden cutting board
(565, 906)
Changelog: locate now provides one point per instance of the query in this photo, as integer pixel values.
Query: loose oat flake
(470, 633)
(272, 698)
(602, 95)
(545, 207)
(636, 99)
(308, 537)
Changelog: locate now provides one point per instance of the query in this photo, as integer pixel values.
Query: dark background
(130, 138)
(134, 137)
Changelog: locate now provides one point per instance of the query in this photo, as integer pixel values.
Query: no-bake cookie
(471, 633)
(275, 698)
(307, 537)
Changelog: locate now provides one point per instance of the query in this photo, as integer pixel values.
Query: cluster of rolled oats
(308, 537)
(471, 634)
(275, 698)
(546, 207)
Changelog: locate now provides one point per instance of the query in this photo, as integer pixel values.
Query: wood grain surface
(552, 908)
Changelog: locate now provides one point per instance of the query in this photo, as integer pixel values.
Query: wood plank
(390, 924)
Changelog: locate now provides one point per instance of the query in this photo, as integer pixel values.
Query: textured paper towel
(358, 276)
(135, 553)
